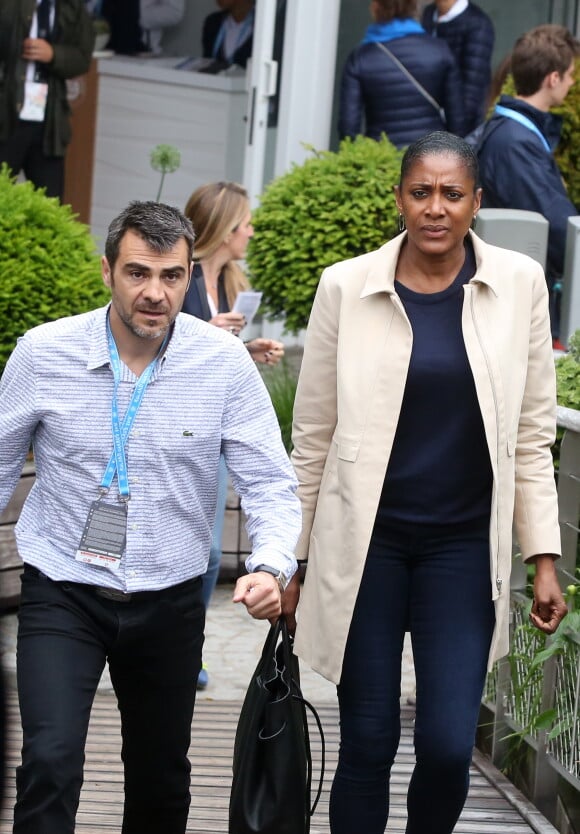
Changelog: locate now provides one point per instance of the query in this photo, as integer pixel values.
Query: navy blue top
(439, 472)
(195, 302)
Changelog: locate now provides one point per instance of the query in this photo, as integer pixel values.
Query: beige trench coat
(351, 385)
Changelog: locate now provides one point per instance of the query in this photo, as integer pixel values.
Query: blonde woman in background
(222, 222)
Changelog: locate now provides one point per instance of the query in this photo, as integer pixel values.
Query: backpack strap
(523, 120)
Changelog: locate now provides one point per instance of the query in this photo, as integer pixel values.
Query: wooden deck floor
(487, 811)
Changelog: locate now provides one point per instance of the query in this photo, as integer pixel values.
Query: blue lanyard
(118, 460)
(242, 35)
(523, 120)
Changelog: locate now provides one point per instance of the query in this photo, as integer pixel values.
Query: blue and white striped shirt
(205, 396)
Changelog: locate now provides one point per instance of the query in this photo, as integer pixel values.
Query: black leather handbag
(272, 765)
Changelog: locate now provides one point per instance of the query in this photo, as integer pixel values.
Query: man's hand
(548, 607)
(37, 49)
(260, 593)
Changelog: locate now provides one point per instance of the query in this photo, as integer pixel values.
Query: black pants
(23, 152)
(153, 646)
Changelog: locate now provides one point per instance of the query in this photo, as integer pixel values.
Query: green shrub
(568, 375)
(49, 267)
(281, 383)
(334, 206)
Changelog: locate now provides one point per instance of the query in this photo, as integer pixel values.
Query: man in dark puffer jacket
(470, 35)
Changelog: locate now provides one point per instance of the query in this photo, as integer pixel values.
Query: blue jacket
(470, 36)
(375, 89)
(516, 171)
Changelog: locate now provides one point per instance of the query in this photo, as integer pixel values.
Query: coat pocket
(348, 450)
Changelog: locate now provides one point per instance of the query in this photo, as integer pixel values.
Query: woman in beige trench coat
(424, 417)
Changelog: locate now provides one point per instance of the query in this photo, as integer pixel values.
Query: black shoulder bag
(272, 766)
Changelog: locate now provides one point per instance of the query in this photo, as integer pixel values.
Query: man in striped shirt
(128, 409)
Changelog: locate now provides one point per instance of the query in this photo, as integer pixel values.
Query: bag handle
(322, 753)
(433, 102)
(281, 627)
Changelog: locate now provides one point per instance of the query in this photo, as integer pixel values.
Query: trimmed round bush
(334, 206)
(49, 266)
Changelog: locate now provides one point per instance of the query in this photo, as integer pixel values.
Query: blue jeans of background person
(210, 577)
(153, 645)
(436, 584)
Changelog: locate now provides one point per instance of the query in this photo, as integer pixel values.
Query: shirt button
(134, 527)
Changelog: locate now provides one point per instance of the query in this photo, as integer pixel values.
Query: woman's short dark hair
(443, 144)
(389, 9)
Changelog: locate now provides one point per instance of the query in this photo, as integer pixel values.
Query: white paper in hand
(247, 303)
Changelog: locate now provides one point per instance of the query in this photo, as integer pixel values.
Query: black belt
(114, 594)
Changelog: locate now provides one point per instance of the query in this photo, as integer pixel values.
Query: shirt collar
(99, 345)
(458, 8)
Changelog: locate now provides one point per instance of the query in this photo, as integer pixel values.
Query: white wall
(185, 39)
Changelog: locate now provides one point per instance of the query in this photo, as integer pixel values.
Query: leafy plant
(334, 206)
(527, 672)
(567, 385)
(49, 266)
(568, 381)
(281, 384)
(166, 159)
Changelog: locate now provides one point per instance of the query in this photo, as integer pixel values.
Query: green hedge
(568, 374)
(334, 206)
(49, 266)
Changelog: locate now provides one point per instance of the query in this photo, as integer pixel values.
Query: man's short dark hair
(161, 227)
(547, 48)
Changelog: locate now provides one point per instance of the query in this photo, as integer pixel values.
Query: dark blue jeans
(153, 646)
(436, 584)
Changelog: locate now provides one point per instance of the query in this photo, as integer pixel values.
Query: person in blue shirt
(128, 409)
(516, 148)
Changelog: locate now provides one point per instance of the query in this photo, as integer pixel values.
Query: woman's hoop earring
(402, 224)
(474, 222)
